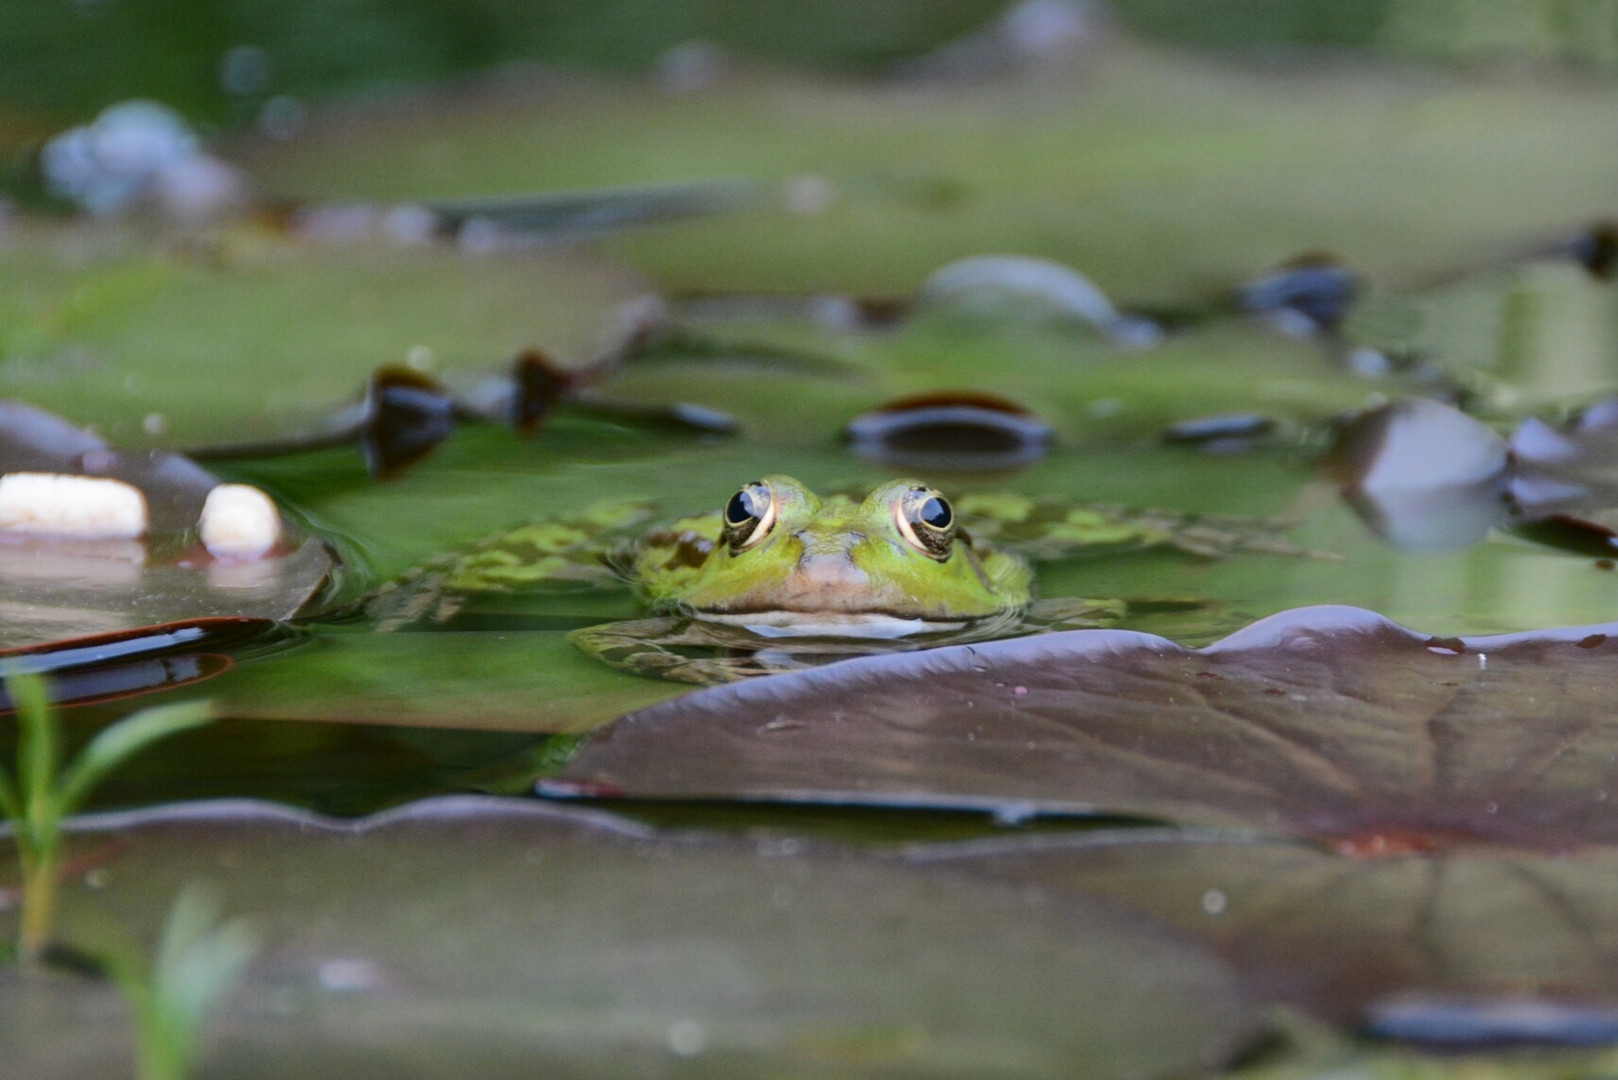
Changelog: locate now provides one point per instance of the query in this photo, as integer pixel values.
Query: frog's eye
(749, 516)
(926, 521)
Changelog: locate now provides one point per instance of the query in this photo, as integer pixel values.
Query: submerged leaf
(1351, 938)
(491, 938)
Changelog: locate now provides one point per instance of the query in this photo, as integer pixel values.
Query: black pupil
(936, 512)
(744, 506)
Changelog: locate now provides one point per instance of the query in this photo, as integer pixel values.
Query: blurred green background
(220, 61)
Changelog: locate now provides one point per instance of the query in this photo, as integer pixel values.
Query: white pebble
(78, 507)
(687, 1038)
(239, 521)
(809, 194)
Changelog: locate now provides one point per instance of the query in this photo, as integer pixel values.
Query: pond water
(1366, 306)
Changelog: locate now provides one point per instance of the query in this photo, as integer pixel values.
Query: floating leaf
(1155, 175)
(963, 431)
(1566, 477)
(1016, 288)
(509, 939)
(33, 440)
(1423, 475)
(105, 667)
(58, 589)
(1330, 722)
(256, 338)
(1308, 295)
(573, 215)
(1221, 432)
(406, 415)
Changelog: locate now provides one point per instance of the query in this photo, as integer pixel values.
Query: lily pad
(1423, 475)
(1089, 389)
(1567, 476)
(121, 664)
(64, 589)
(1328, 722)
(1162, 177)
(508, 939)
(1346, 938)
(259, 338)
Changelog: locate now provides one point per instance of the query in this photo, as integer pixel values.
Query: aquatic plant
(44, 793)
(198, 958)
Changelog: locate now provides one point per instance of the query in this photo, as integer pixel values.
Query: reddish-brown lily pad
(1328, 722)
(479, 937)
(53, 589)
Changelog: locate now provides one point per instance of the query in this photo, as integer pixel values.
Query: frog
(781, 578)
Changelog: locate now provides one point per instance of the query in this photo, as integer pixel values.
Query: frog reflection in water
(780, 578)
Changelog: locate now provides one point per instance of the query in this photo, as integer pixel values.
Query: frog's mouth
(834, 624)
(828, 595)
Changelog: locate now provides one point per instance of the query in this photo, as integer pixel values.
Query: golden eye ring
(749, 516)
(927, 522)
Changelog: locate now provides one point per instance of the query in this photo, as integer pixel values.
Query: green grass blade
(36, 755)
(198, 959)
(204, 976)
(27, 693)
(114, 745)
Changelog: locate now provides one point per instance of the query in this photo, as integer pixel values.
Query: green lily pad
(503, 939)
(1324, 722)
(1162, 176)
(1089, 389)
(258, 337)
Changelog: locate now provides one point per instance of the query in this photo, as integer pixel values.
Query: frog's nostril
(830, 571)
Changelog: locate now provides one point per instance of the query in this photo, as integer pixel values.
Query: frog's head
(897, 563)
